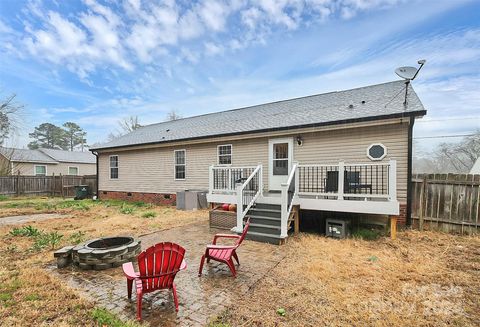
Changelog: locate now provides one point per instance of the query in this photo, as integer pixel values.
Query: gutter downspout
(409, 171)
(96, 164)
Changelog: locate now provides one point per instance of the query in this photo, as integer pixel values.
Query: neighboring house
(43, 162)
(347, 151)
(476, 168)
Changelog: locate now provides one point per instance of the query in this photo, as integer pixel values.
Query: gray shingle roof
(379, 100)
(26, 155)
(70, 156)
(47, 156)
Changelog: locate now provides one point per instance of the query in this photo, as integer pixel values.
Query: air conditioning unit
(337, 228)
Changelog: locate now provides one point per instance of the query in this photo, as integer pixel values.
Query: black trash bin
(81, 192)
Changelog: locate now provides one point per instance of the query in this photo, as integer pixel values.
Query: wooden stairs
(265, 221)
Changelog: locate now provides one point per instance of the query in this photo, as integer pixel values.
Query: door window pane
(280, 159)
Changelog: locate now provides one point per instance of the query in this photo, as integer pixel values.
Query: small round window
(376, 151)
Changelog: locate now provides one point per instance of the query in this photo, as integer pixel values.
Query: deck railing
(289, 191)
(223, 179)
(359, 181)
(247, 194)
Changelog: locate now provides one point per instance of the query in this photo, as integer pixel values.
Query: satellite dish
(407, 72)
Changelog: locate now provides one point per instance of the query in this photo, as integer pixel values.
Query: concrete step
(265, 229)
(255, 219)
(264, 238)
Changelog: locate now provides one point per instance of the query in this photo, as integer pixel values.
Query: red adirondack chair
(158, 266)
(224, 253)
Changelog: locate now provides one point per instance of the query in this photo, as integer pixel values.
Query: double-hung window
(180, 164)
(40, 170)
(73, 171)
(224, 154)
(114, 167)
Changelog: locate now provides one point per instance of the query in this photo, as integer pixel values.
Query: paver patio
(200, 298)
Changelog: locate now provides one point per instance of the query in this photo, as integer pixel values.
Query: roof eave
(417, 113)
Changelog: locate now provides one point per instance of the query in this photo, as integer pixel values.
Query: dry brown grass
(29, 295)
(421, 279)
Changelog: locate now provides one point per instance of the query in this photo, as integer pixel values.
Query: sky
(96, 62)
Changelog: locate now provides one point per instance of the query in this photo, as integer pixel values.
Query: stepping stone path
(17, 220)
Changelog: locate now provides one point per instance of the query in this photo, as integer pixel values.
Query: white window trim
(35, 170)
(377, 159)
(78, 170)
(218, 154)
(175, 164)
(110, 167)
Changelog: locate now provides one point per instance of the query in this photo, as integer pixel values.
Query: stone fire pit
(100, 253)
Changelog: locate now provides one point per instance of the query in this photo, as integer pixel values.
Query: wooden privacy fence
(448, 202)
(59, 185)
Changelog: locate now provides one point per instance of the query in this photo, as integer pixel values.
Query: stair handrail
(246, 201)
(289, 191)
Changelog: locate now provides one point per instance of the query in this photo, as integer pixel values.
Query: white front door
(280, 156)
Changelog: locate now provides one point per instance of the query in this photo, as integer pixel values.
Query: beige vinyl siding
(26, 168)
(351, 146)
(151, 170)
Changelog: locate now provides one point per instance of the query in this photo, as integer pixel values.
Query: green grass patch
(77, 237)
(29, 231)
(5, 297)
(3, 197)
(367, 234)
(126, 209)
(32, 297)
(105, 318)
(47, 240)
(149, 214)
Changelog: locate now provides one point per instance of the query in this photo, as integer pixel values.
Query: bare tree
(126, 125)
(9, 116)
(173, 115)
(457, 157)
(129, 124)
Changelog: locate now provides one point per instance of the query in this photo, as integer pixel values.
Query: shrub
(149, 214)
(25, 231)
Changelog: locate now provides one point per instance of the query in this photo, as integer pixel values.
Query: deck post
(210, 180)
(392, 180)
(284, 208)
(341, 176)
(393, 227)
(296, 222)
(239, 227)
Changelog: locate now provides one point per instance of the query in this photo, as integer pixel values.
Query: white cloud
(214, 14)
(212, 49)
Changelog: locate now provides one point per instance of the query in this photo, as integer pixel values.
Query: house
(46, 162)
(475, 168)
(347, 151)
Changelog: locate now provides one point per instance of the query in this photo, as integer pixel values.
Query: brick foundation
(156, 198)
(402, 217)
